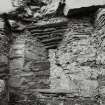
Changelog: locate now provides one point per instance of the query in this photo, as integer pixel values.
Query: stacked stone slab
(50, 31)
(29, 67)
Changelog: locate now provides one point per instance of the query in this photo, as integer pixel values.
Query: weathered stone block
(88, 88)
(15, 81)
(16, 64)
(73, 62)
(40, 66)
(3, 93)
(3, 59)
(80, 101)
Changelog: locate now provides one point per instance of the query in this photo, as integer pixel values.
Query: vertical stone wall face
(4, 49)
(100, 39)
(3, 69)
(29, 67)
(73, 65)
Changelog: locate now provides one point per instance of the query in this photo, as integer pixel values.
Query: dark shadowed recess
(84, 11)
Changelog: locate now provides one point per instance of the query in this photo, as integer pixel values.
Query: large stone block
(3, 93)
(31, 56)
(16, 64)
(3, 59)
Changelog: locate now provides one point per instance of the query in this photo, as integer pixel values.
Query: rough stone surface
(3, 93)
(100, 38)
(4, 49)
(71, 61)
(29, 67)
(75, 65)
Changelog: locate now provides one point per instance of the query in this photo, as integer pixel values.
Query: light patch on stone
(2, 85)
(6, 6)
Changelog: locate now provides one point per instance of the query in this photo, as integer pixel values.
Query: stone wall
(4, 70)
(72, 62)
(77, 65)
(75, 68)
(99, 35)
(29, 67)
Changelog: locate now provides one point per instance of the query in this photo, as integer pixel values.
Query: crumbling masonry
(61, 61)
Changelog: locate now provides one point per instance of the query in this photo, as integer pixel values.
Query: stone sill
(52, 91)
(61, 93)
(49, 23)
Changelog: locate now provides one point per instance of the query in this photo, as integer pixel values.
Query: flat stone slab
(52, 91)
(52, 21)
